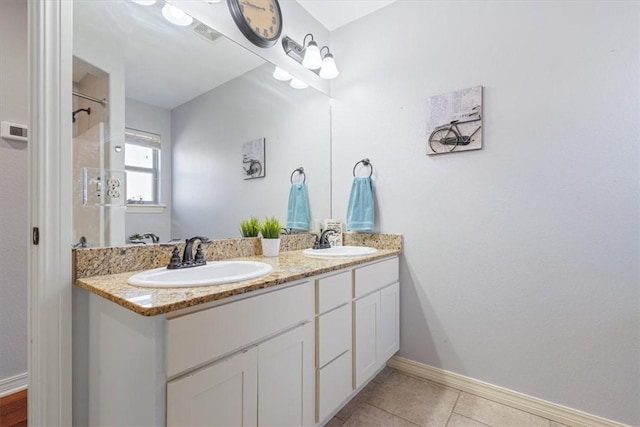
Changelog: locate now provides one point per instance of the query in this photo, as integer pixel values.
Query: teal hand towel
(360, 211)
(298, 213)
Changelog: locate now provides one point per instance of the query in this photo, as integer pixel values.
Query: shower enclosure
(98, 176)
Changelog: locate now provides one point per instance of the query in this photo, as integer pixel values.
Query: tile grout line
(473, 419)
(390, 413)
(453, 408)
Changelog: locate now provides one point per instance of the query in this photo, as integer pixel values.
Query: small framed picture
(454, 121)
(253, 159)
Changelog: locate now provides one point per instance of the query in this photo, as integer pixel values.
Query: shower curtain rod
(102, 102)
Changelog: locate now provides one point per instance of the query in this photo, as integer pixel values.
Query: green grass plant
(270, 228)
(250, 227)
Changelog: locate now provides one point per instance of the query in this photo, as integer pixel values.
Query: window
(142, 166)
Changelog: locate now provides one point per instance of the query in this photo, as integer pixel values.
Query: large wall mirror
(161, 115)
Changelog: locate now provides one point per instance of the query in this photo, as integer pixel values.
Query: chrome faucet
(322, 241)
(188, 259)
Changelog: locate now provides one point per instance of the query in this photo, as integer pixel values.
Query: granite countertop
(287, 267)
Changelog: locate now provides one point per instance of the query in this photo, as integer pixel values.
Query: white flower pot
(270, 247)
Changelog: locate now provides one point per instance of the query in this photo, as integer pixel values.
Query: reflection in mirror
(199, 97)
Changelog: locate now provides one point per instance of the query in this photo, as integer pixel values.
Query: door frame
(50, 191)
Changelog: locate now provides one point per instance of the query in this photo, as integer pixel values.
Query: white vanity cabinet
(376, 317)
(270, 384)
(288, 355)
(267, 380)
(333, 342)
(357, 330)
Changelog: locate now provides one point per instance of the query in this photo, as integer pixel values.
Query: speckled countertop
(287, 267)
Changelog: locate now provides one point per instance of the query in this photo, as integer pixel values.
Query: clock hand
(253, 5)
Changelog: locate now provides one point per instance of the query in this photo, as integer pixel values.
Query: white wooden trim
(533, 405)
(13, 384)
(145, 209)
(50, 44)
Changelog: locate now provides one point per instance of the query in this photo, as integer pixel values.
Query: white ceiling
(336, 13)
(166, 65)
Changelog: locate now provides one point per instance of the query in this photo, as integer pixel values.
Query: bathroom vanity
(290, 348)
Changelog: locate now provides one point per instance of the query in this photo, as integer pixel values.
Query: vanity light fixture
(298, 84)
(329, 69)
(176, 16)
(311, 58)
(282, 75)
(305, 54)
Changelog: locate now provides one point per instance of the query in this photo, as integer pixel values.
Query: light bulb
(312, 59)
(329, 69)
(298, 84)
(176, 16)
(282, 75)
(145, 2)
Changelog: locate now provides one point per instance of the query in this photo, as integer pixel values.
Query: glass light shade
(298, 84)
(176, 16)
(282, 75)
(329, 69)
(145, 2)
(312, 59)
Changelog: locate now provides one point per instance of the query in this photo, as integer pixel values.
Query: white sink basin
(214, 273)
(340, 251)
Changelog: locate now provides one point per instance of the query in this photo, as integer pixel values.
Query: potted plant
(250, 227)
(270, 230)
(136, 238)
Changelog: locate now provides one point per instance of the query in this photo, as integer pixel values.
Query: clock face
(259, 20)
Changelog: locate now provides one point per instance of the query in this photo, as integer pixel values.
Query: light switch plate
(103, 187)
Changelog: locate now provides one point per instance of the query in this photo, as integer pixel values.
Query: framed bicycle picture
(454, 121)
(253, 159)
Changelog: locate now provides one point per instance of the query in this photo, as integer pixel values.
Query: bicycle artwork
(253, 159)
(455, 121)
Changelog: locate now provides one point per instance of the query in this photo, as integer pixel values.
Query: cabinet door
(286, 391)
(389, 339)
(222, 394)
(367, 323)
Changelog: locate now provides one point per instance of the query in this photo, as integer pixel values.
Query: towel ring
(365, 162)
(300, 171)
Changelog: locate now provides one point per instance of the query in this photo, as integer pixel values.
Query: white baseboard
(533, 405)
(13, 384)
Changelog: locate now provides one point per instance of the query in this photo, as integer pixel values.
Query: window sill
(146, 209)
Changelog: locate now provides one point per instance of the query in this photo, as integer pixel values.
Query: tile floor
(394, 399)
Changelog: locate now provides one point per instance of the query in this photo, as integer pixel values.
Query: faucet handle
(175, 261)
(199, 256)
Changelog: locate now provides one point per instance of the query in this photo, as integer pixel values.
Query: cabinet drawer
(375, 276)
(197, 338)
(333, 291)
(334, 385)
(334, 334)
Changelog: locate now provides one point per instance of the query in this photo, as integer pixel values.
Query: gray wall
(210, 195)
(150, 118)
(521, 260)
(13, 191)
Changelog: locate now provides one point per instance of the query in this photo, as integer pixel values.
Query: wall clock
(260, 21)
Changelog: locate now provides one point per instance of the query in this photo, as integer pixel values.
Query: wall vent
(206, 32)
